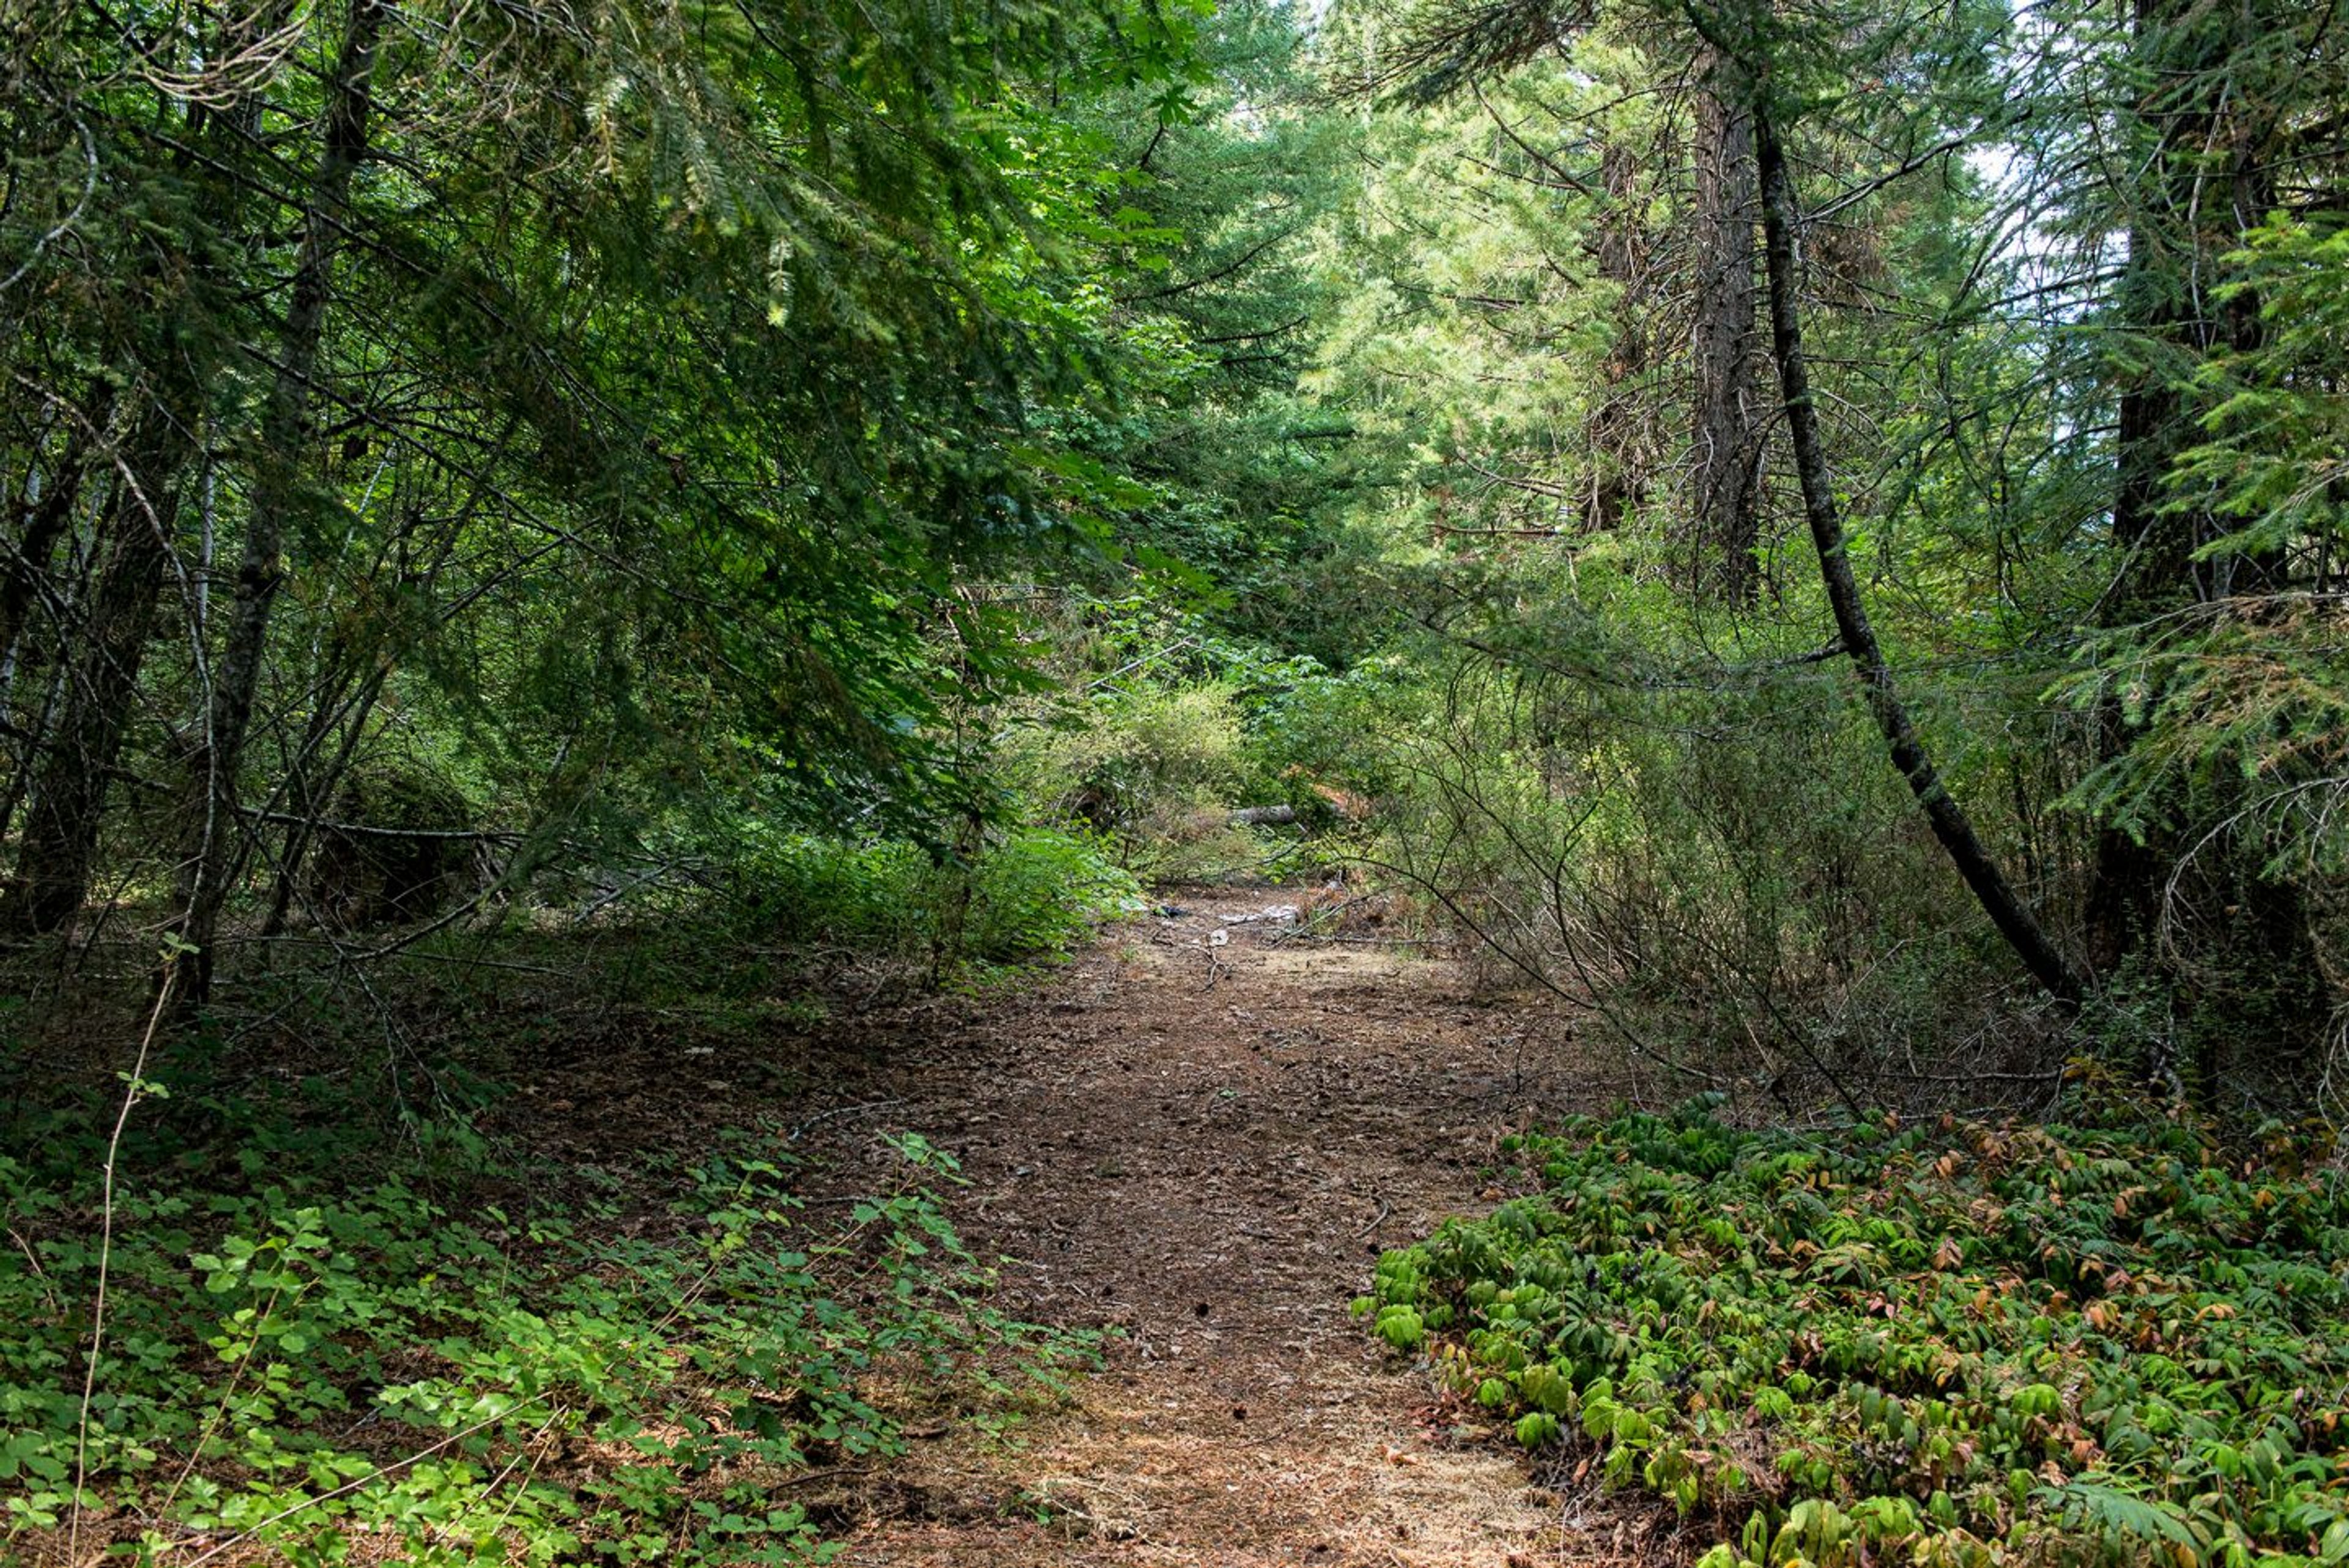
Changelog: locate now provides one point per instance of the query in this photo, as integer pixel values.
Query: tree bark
(44, 525)
(47, 510)
(2204, 185)
(213, 837)
(1615, 429)
(1726, 433)
(1780, 220)
(81, 746)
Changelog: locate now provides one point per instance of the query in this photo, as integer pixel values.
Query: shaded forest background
(1809, 534)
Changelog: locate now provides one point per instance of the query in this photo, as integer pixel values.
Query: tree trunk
(1616, 429)
(81, 746)
(1725, 434)
(2205, 184)
(45, 522)
(47, 510)
(279, 482)
(101, 670)
(1951, 825)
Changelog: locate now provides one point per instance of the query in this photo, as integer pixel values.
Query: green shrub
(805, 886)
(1944, 1343)
(1032, 894)
(1310, 725)
(1039, 892)
(1724, 865)
(1154, 769)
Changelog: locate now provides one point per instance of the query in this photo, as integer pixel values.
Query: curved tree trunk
(1950, 824)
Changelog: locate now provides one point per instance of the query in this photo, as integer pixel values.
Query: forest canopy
(588, 436)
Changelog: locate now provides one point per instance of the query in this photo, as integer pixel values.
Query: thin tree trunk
(45, 516)
(1949, 821)
(278, 483)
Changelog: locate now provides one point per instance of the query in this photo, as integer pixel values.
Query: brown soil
(1205, 1145)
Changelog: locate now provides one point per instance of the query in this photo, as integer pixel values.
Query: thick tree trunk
(2206, 184)
(2153, 570)
(1949, 821)
(279, 480)
(1726, 429)
(47, 508)
(1614, 431)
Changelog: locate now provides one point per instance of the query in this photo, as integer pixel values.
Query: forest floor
(1200, 1135)
(1196, 1137)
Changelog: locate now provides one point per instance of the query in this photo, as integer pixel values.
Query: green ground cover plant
(293, 1366)
(1947, 1342)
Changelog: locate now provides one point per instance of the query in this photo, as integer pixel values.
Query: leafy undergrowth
(474, 1262)
(1942, 1344)
(316, 1372)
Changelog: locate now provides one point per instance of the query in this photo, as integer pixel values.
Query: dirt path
(1207, 1143)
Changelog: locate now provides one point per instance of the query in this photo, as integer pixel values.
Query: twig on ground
(827, 1473)
(836, 1112)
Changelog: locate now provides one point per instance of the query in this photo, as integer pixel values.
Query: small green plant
(287, 1369)
(1950, 1343)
